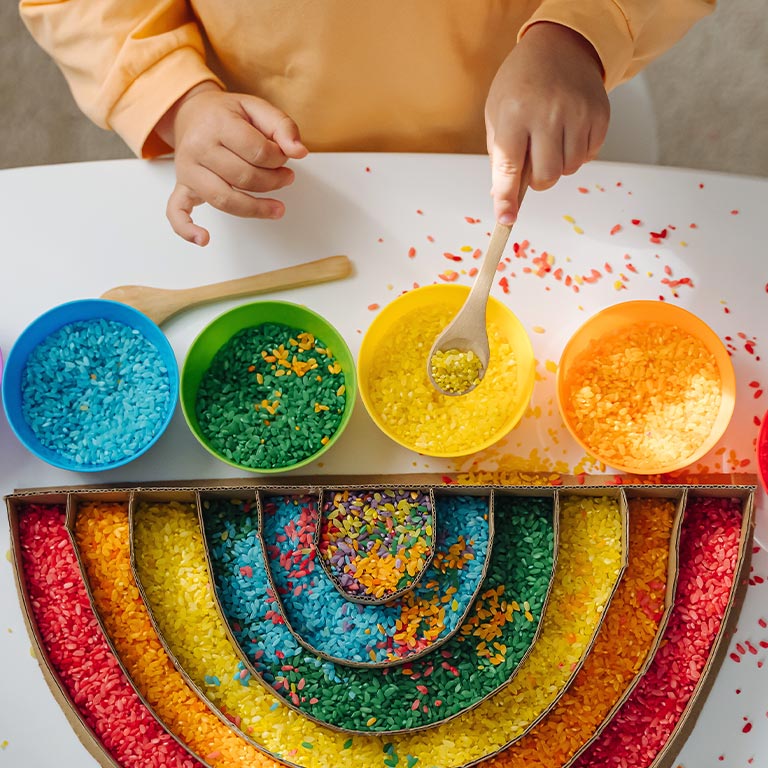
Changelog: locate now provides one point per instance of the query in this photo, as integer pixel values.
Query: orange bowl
(625, 431)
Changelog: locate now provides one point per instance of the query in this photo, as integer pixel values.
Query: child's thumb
(288, 138)
(275, 125)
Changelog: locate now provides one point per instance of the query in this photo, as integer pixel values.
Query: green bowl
(215, 335)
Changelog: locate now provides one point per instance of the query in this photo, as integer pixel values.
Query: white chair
(632, 135)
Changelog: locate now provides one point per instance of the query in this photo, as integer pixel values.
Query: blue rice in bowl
(90, 385)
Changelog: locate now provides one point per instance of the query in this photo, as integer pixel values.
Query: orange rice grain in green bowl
(392, 376)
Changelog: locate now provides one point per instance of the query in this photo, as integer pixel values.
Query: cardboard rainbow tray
(383, 620)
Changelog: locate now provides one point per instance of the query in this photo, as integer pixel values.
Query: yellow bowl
(392, 376)
(632, 393)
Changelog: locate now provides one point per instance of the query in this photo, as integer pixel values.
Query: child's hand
(547, 99)
(227, 145)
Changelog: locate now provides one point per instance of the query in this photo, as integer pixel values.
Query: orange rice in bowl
(392, 375)
(646, 387)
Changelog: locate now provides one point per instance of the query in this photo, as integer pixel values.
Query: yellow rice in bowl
(403, 402)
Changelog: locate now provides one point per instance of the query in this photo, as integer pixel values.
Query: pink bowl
(762, 452)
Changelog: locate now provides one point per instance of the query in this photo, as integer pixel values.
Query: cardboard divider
(366, 599)
(725, 486)
(446, 482)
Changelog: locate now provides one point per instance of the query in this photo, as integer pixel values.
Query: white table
(73, 231)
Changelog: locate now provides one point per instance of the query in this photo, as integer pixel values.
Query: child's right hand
(227, 145)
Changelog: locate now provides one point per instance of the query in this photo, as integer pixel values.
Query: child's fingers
(288, 138)
(212, 189)
(179, 212)
(575, 149)
(276, 125)
(242, 175)
(507, 162)
(597, 133)
(250, 143)
(546, 158)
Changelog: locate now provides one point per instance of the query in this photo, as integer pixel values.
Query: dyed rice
(492, 640)
(80, 655)
(644, 396)
(168, 541)
(78, 652)
(622, 646)
(95, 392)
(272, 396)
(103, 540)
(455, 371)
(709, 550)
(411, 409)
(404, 629)
(374, 544)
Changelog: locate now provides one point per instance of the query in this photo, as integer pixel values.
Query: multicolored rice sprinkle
(375, 544)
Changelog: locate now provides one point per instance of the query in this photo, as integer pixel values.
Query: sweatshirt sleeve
(126, 61)
(627, 34)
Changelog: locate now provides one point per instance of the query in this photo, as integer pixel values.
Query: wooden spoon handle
(319, 271)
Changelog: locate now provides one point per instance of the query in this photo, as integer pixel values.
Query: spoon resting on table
(459, 357)
(161, 303)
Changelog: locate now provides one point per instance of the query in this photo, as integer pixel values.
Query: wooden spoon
(160, 303)
(468, 331)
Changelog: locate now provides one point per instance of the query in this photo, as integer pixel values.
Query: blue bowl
(49, 323)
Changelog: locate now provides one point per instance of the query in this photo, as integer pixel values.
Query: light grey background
(709, 97)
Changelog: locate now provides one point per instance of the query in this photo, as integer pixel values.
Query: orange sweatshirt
(400, 75)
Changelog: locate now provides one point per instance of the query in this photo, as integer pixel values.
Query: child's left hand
(547, 101)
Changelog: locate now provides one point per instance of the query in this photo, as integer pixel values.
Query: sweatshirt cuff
(602, 23)
(152, 94)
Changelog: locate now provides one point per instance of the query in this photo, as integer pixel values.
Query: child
(228, 86)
